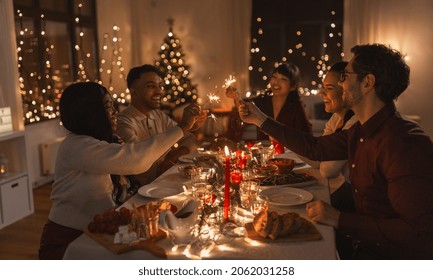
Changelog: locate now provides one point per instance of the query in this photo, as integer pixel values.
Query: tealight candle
(236, 177)
(279, 148)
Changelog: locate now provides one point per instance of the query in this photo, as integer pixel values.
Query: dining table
(236, 248)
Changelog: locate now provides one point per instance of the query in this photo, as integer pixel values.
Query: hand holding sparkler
(202, 116)
(231, 91)
(212, 98)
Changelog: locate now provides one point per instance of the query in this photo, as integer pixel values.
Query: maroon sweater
(292, 114)
(391, 171)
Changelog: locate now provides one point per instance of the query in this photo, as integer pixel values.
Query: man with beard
(143, 118)
(390, 160)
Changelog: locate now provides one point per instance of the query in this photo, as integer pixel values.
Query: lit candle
(227, 185)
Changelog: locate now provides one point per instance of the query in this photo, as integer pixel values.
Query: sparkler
(212, 116)
(213, 98)
(230, 81)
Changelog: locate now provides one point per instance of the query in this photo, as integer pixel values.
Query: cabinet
(16, 195)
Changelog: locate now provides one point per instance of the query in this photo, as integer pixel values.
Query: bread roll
(289, 223)
(260, 221)
(276, 226)
(273, 225)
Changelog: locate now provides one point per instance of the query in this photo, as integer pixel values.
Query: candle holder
(236, 177)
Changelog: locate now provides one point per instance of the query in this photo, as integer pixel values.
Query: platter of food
(271, 227)
(287, 196)
(291, 179)
(149, 245)
(116, 229)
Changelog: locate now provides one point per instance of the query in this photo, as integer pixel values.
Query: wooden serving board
(310, 234)
(149, 245)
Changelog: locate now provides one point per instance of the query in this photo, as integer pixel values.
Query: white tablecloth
(86, 248)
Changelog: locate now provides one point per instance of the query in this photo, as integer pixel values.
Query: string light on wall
(45, 67)
(321, 61)
(82, 76)
(40, 98)
(112, 62)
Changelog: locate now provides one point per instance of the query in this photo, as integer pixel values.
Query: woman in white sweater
(82, 186)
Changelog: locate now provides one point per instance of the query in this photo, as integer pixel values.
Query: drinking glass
(248, 191)
(259, 204)
(206, 173)
(267, 153)
(202, 192)
(147, 227)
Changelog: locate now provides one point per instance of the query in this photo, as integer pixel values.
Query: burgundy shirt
(292, 114)
(391, 170)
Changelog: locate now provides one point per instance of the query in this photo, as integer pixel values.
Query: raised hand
(190, 115)
(202, 116)
(232, 92)
(249, 113)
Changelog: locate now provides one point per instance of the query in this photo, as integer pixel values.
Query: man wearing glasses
(390, 161)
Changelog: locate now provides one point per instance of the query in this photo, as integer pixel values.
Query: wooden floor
(20, 241)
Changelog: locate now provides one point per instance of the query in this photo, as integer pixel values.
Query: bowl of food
(266, 170)
(285, 165)
(188, 170)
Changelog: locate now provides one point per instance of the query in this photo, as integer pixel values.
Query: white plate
(186, 158)
(287, 196)
(159, 191)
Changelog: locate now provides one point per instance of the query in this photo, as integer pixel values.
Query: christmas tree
(177, 86)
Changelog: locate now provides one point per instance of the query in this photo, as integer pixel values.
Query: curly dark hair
(82, 110)
(386, 64)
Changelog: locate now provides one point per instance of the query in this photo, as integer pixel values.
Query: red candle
(227, 185)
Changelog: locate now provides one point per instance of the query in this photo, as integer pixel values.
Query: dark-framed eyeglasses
(345, 74)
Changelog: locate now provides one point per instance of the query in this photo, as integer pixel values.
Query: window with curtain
(307, 33)
(57, 45)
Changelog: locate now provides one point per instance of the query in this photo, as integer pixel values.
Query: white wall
(214, 34)
(37, 134)
(406, 26)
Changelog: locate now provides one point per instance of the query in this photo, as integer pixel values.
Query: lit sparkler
(213, 98)
(212, 116)
(230, 81)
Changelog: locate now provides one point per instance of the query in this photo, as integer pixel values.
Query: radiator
(48, 154)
